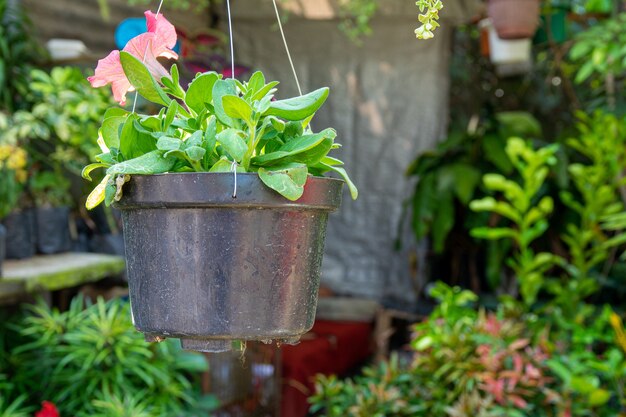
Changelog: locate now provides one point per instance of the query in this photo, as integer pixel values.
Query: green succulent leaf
(288, 180)
(299, 108)
(141, 78)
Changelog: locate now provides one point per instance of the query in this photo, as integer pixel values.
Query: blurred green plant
(91, 362)
(64, 120)
(600, 58)
(526, 210)
(465, 363)
(13, 171)
(596, 176)
(50, 189)
(449, 176)
(19, 53)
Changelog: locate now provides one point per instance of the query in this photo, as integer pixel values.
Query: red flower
(147, 47)
(48, 410)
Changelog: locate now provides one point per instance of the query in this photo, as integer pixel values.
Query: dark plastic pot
(20, 235)
(3, 247)
(514, 19)
(211, 269)
(53, 233)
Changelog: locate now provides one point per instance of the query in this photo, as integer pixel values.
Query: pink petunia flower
(48, 410)
(147, 47)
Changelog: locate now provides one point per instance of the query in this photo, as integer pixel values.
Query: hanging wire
(282, 33)
(232, 42)
(144, 56)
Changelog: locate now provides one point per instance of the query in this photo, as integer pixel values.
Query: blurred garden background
(481, 273)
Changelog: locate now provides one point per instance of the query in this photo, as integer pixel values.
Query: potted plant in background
(51, 192)
(514, 19)
(17, 227)
(225, 209)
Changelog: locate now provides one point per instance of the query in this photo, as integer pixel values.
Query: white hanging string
(233, 169)
(282, 33)
(144, 56)
(234, 165)
(232, 43)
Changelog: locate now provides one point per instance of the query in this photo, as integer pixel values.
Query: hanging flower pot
(222, 199)
(514, 19)
(217, 268)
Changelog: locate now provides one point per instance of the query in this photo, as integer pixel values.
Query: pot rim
(215, 190)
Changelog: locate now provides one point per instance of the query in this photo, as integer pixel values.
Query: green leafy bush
(91, 362)
(468, 363)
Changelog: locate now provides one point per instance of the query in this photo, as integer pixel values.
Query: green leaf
(166, 143)
(298, 108)
(134, 143)
(443, 221)
(148, 164)
(288, 180)
(599, 397)
(232, 141)
(171, 113)
(237, 108)
(142, 80)
(256, 83)
(220, 89)
(200, 92)
(195, 153)
(494, 233)
(86, 174)
(354, 192)
(265, 91)
(307, 149)
(223, 165)
(110, 130)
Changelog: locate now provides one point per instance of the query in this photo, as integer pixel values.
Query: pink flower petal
(110, 71)
(164, 30)
(147, 47)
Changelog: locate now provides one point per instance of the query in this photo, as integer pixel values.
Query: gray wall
(389, 100)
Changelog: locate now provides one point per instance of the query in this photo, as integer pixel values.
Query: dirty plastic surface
(211, 269)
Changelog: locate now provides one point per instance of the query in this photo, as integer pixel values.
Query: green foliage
(600, 60)
(450, 176)
(19, 53)
(221, 124)
(15, 408)
(600, 148)
(65, 118)
(526, 211)
(13, 165)
(50, 189)
(468, 363)
(91, 362)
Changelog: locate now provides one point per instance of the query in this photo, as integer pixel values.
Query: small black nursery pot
(20, 235)
(53, 233)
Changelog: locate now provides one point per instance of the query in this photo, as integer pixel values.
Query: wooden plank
(55, 272)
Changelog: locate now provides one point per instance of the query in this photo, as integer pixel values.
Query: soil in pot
(514, 19)
(3, 235)
(53, 233)
(20, 239)
(211, 269)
